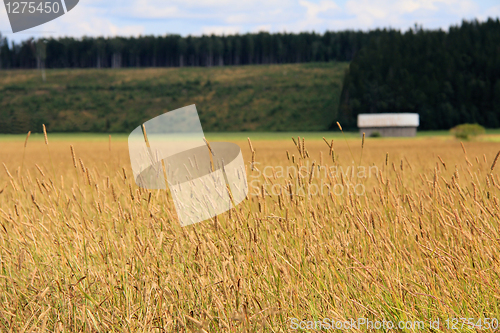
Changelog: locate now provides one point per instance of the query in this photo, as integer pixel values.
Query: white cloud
(404, 13)
(493, 12)
(146, 9)
(225, 10)
(313, 9)
(261, 17)
(315, 13)
(85, 21)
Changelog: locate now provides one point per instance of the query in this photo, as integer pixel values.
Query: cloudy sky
(196, 17)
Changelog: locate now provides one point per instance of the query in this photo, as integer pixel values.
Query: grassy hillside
(302, 97)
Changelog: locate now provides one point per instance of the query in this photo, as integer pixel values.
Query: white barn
(389, 124)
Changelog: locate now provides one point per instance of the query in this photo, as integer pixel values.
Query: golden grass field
(85, 250)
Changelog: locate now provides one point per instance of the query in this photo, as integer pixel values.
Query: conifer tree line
(177, 51)
(449, 78)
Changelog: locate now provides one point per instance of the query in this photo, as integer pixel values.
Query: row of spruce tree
(177, 51)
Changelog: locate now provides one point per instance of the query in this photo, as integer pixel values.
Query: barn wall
(390, 131)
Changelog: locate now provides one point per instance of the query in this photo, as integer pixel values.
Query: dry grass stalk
(7, 171)
(13, 184)
(495, 161)
(327, 143)
(252, 164)
(311, 173)
(27, 137)
(131, 192)
(208, 145)
(73, 156)
(45, 134)
(303, 153)
(82, 165)
(250, 144)
(442, 162)
(24, 151)
(113, 193)
(89, 179)
(463, 148)
(40, 170)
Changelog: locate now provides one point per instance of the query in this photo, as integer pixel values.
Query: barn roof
(388, 120)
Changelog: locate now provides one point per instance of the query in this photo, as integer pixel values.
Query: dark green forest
(449, 78)
(177, 51)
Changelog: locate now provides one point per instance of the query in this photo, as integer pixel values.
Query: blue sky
(196, 17)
